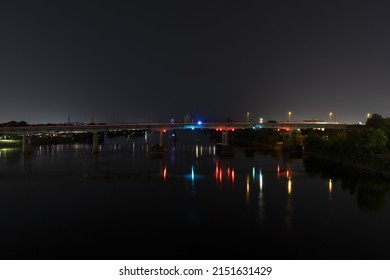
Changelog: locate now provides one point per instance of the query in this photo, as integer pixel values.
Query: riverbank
(372, 170)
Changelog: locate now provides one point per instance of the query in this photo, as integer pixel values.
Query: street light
(261, 120)
(289, 116)
(330, 116)
(247, 117)
(368, 115)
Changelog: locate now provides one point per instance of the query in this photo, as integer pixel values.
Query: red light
(232, 129)
(164, 130)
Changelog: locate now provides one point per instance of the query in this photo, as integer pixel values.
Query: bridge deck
(35, 129)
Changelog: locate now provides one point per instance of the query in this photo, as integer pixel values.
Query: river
(64, 202)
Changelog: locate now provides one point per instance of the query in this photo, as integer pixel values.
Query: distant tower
(68, 119)
(187, 118)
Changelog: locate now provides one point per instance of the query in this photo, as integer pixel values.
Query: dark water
(63, 202)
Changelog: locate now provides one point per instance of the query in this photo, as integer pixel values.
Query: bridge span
(27, 131)
(35, 129)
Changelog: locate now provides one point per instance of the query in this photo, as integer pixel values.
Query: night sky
(134, 61)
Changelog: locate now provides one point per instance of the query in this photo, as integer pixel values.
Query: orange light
(233, 176)
(220, 175)
(165, 173)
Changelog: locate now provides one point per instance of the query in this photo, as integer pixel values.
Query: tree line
(364, 145)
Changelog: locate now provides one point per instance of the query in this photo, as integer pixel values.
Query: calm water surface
(63, 202)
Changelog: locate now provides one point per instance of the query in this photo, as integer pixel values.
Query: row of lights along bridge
(290, 113)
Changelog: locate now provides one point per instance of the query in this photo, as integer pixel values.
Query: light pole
(261, 120)
(247, 117)
(330, 116)
(368, 115)
(289, 116)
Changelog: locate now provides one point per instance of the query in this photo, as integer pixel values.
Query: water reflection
(219, 171)
(247, 189)
(203, 196)
(370, 191)
(5, 152)
(192, 174)
(289, 189)
(261, 199)
(165, 173)
(233, 176)
(220, 178)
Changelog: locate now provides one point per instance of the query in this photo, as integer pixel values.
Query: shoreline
(359, 167)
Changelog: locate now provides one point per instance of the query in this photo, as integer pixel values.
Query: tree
(314, 144)
(377, 121)
(375, 140)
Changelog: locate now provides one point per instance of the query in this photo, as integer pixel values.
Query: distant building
(187, 119)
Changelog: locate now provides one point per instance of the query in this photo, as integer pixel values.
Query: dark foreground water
(62, 202)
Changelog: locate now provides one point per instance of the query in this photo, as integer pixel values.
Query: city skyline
(130, 62)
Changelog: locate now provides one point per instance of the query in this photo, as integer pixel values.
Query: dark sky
(155, 60)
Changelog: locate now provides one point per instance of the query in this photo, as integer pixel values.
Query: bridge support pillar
(26, 144)
(95, 143)
(225, 138)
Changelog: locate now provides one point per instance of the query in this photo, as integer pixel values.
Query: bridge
(224, 127)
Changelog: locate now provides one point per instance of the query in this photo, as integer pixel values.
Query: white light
(261, 180)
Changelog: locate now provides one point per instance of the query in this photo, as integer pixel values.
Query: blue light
(258, 126)
(192, 174)
(189, 127)
(199, 122)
